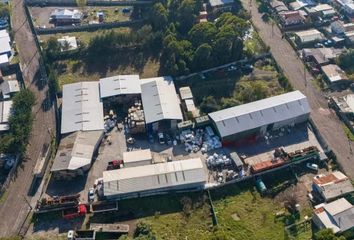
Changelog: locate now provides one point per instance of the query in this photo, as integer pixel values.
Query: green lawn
(111, 14)
(349, 134)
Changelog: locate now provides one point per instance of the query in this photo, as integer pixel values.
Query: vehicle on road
(74, 212)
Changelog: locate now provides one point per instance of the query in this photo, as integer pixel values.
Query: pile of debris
(218, 160)
(110, 121)
(204, 140)
(135, 121)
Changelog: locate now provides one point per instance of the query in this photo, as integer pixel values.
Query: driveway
(14, 208)
(326, 121)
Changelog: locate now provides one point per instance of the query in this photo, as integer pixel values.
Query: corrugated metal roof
(76, 150)
(309, 35)
(82, 108)
(136, 156)
(185, 93)
(260, 113)
(119, 85)
(5, 112)
(160, 99)
(5, 40)
(8, 87)
(150, 177)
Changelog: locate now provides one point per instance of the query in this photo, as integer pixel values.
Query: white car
(312, 166)
(161, 138)
(91, 195)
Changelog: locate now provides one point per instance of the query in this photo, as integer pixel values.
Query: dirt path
(14, 209)
(326, 121)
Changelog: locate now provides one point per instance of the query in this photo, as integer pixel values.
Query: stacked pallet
(135, 119)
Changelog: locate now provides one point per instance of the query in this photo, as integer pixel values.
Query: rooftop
(260, 113)
(120, 85)
(69, 42)
(346, 103)
(160, 99)
(5, 111)
(76, 150)
(81, 107)
(216, 3)
(66, 13)
(155, 176)
(8, 87)
(185, 93)
(137, 156)
(309, 35)
(334, 73)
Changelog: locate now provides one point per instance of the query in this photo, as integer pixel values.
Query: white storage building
(309, 36)
(5, 47)
(82, 109)
(5, 112)
(256, 118)
(120, 85)
(161, 104)
(137, 158)
(154, 179)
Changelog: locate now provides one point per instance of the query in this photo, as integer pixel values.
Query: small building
(75, 153)
(308, 36)
(301, 4)
(344, 105)
(161, 104)
(321, 56)
(67, 43)
(4, 61)
(218, 6)
(5, 46)
(5, 112)
(120, 88)
(321, 10)
(8, 87)
(188, 102)
(289, 18)
(257, 118)
(65, 16)
(154, 179)
(332, 186)
(82, 109)
(337, 215)
(349, 37)
(339, 27)
(137, 158)
(349, 9)
(335, 76)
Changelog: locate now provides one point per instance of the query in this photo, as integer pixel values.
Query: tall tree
(202, 57)
(159, 16)
(202, 33)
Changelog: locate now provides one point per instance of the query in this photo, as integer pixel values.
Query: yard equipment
(115, 164)
(74, 212)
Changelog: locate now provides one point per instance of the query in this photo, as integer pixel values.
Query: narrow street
(14, 208)
(326, 120)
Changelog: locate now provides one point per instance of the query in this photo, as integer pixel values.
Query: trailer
(99, 207)
(74, 212)
(110, 228)
(81, 235)
(55, 203)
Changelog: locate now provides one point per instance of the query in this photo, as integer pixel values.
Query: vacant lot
(82, 37)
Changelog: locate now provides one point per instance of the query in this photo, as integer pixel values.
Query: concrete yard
(300, 137)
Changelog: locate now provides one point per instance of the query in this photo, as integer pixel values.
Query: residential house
(332, 186)
(308, 37)
(65, 16)
(290, 18)
(335, 76)
(337, 215)
(67, 43)
(5, 112)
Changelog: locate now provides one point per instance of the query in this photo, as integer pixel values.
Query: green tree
(81, 4)
(209, 104)
(159, 16)
(202, 33)
(4, 10)
(202, 56)
(327, 234)
(346, 61)
(52, 49)
(187, 15)
(239, 25)
(252, 91)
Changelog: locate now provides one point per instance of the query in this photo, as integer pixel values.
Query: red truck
(74, 212)
(115, 164)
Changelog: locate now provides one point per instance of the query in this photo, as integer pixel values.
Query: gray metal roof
(215, 3)
(76, 150)
(82, 108)
(260, 113)
(156, 176)
(5, 112)
(160, 99)
(5, 40)
(120, 85)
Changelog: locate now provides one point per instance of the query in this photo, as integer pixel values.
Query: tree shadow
(39, 81)
(47, 102)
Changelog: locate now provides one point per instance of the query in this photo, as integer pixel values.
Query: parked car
(311, 198)
(161, 138)
(231, 68)
(91, 195)
(312, 166)
(319, 45)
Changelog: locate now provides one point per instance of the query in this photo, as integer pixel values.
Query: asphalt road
(14, 209)
(325, 119)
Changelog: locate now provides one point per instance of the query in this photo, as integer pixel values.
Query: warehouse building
(256, 118)
(65, 16)
(154, 179)
(137, 158)
(75, 153)
(120, 88)
(82, 109)
(161, 104)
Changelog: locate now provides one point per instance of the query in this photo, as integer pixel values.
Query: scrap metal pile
(204, 140)
(135, 119)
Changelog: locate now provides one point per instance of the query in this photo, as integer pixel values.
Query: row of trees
(20, 122)
(346, 61)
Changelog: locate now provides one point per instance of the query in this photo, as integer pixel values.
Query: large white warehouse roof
(152, 177)
(120, 85)
(160, 99)
(260, 113)
(82, 108)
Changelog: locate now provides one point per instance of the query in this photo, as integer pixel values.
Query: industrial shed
(154, 179)
(161, 104)
(120, 87)
(82, 109)
(137, 158)
(5, 112)
(256, 118)
(75, 154)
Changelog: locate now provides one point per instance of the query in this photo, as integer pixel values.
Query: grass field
(83, 37)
